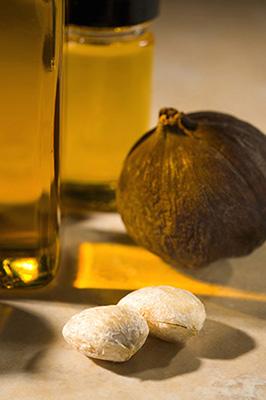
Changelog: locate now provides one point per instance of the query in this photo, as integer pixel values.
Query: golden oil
(30, 37)
(107, 97)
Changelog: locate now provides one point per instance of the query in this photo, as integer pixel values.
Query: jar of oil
(30, 37)
(107, 94)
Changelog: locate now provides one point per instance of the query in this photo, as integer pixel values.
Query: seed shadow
(22, 335)
(220, 341)
(159, 360)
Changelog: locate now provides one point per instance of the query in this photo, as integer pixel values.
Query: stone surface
(226, 361)
(210, 55)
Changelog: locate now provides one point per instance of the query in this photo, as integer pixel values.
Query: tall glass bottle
(30, 42)
(108, 58)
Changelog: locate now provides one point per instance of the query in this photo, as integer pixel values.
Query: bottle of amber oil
(108, 58)
(30, 40)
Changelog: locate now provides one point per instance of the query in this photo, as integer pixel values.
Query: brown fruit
(193, 190)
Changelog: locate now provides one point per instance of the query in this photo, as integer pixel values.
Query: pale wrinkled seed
(113, 333)
(172, 314)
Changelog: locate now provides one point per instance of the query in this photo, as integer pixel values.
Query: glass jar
(107, 98)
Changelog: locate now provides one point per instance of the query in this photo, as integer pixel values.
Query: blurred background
(210, 54)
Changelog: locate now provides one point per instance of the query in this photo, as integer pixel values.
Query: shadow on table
(75, 232)
(159, 360)
(23, 338)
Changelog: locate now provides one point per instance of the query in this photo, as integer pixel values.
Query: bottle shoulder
(139, 35)
(88, 48)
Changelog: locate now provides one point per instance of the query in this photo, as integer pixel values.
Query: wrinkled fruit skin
(193, 197)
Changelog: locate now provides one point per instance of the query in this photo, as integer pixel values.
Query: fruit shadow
(218, 273)
(159, 360)
(75, 232)
(24, 337)
(227, 273)
(239, 274)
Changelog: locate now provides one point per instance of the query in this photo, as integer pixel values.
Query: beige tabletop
(210, 55)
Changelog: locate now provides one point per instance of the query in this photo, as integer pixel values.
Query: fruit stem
(177, 121)
(169, 116)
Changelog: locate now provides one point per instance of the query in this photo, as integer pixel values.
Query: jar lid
(110, 13)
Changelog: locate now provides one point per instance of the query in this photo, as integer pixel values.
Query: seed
(113, 333)
(172, 314)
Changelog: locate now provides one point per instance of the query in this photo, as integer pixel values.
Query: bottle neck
(103, 36)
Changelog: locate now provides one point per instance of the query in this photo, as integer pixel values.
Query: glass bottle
(30, 42)
(107, 94)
